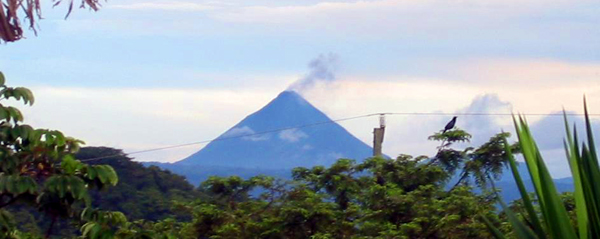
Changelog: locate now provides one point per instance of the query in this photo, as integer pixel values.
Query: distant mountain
(276, 153)
(508, 187)
(510, 191)
(309, 146)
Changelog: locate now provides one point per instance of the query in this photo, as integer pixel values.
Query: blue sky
(139, 74)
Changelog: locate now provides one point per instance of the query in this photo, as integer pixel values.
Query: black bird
(450, 125)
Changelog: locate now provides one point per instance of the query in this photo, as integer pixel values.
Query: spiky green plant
(553, 221)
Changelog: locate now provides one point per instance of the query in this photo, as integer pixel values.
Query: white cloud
(247, 134)
(412, 17)
(429, 20)
(483, 127)
(168, 6)
(234, 132)
(292, 135)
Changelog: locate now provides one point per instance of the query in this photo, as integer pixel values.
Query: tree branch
(462, 177)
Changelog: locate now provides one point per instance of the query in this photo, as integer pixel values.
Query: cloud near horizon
(246, 132)
(485, 126)
(550, 131)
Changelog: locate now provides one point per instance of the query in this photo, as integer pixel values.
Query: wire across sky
(329, 122)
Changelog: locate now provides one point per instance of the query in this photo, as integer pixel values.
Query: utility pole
(378, 136)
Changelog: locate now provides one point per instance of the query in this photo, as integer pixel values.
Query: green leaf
(2, 79)
(591, 190)
(574, 158)
(78, 189)
(26, 94)
(15, 114)
(70, 165)
(495, 232)
(521, 230)
(553, 210)
(11, 185)
(4, 114)
(590, 134)
(532, 215)
(106, 174)
(91, 230)
(91, 172)
(26, 131)
(32, 185)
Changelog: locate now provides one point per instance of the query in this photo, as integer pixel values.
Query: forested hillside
(142, 192)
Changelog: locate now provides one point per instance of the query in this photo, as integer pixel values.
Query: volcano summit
(242, 147)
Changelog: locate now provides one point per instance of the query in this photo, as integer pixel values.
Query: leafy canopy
(37, 167)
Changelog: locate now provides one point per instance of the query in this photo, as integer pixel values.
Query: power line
(328, 122)
(485, 114)
(231, 137)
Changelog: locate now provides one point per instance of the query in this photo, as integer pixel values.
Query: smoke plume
(321, 69)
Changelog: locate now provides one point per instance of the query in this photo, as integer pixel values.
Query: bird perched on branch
(450, 125)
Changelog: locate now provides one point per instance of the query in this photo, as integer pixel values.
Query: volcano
(309, 145)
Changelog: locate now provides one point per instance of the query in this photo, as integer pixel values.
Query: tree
(379, 198)
(11, 13)
(38, 170)
(482, 165)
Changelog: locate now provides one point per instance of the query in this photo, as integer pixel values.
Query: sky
(141, 74)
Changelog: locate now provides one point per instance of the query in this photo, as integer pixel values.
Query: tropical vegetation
(52, 188)
(552, 218)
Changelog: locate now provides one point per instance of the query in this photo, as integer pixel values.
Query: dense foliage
(404, 197)
(38, 170)
(51, 188)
